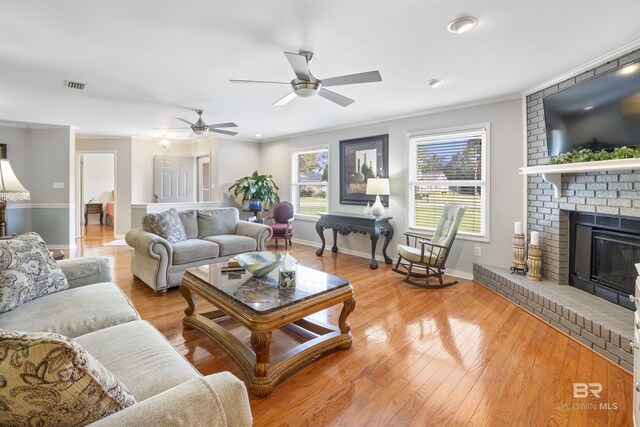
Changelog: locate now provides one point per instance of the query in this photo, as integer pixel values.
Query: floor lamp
(10, 189)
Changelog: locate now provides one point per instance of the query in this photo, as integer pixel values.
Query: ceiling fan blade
(257, 81)
(186, 121)
(299, 64)
(368, 77)
(226, 132)
(223, 125)
(285, 99)
(335, 97)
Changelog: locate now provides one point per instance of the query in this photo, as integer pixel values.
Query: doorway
(96, 194)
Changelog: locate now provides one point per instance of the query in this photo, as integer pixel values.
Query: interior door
(173, 179)
(204, 179)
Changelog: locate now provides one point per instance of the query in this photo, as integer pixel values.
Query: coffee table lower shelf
(264, 375)
(262, 372)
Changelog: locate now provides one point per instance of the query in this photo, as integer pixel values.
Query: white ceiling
(145, 62)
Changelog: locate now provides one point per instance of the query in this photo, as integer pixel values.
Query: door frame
(79, 225)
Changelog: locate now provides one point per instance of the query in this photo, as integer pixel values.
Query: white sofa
(168, 389)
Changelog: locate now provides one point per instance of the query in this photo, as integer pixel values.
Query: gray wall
(236, 159)
(40, 156)
(506, 195)
(611, 192)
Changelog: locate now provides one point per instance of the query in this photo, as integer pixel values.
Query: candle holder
(534, 263)
(519, 264)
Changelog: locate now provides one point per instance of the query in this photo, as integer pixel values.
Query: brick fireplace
(604, 192)
(591, 319)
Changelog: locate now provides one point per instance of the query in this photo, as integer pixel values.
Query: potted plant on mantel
(256, 189)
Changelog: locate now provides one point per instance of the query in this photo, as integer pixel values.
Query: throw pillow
(190, 222)
(165, 224)
(215, 222)
(27, 271)
(49, 380)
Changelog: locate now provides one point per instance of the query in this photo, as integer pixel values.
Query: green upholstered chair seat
(413, 254)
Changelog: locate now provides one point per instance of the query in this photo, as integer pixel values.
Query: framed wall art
(361, 159)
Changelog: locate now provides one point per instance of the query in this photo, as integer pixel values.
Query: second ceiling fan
(305, 85)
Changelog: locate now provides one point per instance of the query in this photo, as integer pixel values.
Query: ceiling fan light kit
(462, 25)
(305, 85)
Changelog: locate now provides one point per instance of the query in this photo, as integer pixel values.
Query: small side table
(256, 213)
(93, 208)
(57, 254)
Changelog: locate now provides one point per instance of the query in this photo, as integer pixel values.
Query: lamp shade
(10, 187)
(378, 186)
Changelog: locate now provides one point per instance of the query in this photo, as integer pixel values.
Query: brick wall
(613, 193)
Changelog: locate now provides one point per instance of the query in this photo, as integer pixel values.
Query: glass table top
(262, 294)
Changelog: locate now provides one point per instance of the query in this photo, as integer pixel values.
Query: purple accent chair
(281, 223)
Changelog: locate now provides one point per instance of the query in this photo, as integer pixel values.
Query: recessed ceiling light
(462, 25)
(435, 82)
(588, 108)
(629, 69)
(258, 135)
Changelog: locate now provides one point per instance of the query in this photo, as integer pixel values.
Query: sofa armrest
(215, 400)
(86, 270)
(260, 232)
(149, 244)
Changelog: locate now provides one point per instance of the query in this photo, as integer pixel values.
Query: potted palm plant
(257, 189)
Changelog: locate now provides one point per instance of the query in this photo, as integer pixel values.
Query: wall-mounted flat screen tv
(602, 113)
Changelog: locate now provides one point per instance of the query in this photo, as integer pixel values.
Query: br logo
(582, 390)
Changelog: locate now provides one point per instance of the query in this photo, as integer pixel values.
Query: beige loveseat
(167, 388)
(212, 235)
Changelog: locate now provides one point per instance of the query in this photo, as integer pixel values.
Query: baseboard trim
(380, 258)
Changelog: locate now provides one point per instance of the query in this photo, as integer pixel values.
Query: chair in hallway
(430, 255)
(282, 223)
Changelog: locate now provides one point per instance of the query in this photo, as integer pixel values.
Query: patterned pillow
(165, 224)
(48, 380)
(27, 271)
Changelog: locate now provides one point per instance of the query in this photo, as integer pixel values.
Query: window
(309, 181)
(449, 168)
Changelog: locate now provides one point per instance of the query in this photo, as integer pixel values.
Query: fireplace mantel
(553, 173)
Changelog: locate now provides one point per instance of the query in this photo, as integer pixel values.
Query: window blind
(448, 168)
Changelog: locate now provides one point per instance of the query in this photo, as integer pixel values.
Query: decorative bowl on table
(259, 263)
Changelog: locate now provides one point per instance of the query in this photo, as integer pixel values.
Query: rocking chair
(430, 255)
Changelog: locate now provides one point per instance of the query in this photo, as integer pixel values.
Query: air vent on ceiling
(74, 85)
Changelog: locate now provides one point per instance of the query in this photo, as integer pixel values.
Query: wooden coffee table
(259, 305)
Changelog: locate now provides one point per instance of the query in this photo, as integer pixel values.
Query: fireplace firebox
(603, 251)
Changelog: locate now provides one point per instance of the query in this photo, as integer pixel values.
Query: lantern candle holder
(519, 264)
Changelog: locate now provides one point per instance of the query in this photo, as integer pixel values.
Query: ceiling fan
(305, 85)
(201, 128)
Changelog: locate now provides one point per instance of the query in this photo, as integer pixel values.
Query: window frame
(294, 178)
(486, 172)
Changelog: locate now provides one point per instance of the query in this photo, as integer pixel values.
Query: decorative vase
(358, 177)
(255, 205)
(367, 209)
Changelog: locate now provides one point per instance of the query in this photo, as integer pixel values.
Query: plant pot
(255, 205)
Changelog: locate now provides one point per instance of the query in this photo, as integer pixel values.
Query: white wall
(506, 186)
(98, 180)
(123, 182)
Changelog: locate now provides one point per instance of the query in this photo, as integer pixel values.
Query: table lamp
(10, 189)
(378, 186)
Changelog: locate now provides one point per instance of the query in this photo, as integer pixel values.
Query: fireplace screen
(614, 257)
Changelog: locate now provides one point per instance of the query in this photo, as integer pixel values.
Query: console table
(346, 223)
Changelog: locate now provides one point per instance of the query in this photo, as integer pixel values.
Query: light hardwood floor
(456, 356)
